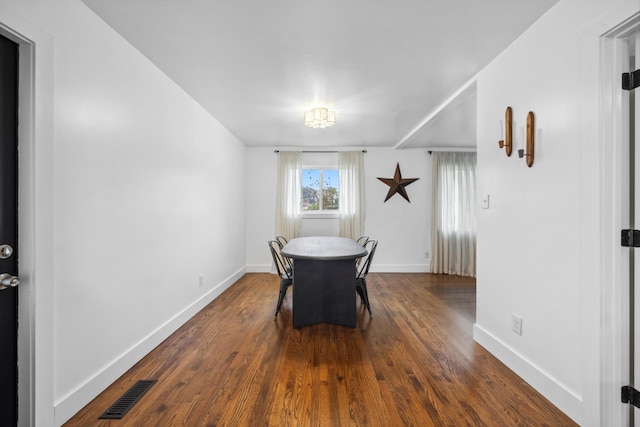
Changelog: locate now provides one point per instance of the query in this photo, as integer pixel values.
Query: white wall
(145, 187)
(536, 251)
(402, 228)
(261, 206)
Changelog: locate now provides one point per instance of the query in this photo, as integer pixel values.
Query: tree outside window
(320, 190)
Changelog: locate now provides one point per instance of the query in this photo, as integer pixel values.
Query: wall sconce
(507, 142)
(528, 155)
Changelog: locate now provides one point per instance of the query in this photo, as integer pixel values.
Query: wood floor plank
(412, 363)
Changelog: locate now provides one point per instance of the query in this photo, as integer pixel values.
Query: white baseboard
(70, 404)
(260, 268)
(399, 268)
(566, 400)
(375, 268)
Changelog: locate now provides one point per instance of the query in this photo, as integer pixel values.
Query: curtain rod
(303, 151)
(452, 149)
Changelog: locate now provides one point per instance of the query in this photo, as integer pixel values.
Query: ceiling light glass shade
(319, 118)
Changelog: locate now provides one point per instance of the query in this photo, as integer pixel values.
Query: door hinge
(630, 395)
(631, 80)
(630, 238)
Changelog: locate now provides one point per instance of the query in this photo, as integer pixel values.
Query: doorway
(619, 197)
(8, 231)
(34, 229)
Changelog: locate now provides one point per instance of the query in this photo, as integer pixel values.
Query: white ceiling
(398, 73)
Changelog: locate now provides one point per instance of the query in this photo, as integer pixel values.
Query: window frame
(320, 213)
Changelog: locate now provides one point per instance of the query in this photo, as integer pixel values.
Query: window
(454, 214)
(320, 190)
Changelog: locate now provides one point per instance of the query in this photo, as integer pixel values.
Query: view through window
(320, 190)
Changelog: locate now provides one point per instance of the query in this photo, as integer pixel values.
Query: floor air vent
(126, 402)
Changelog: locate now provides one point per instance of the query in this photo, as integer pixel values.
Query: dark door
(8, 232)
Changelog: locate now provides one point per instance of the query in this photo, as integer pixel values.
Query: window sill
(320, 215)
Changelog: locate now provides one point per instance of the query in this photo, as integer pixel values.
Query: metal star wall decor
(397, 184)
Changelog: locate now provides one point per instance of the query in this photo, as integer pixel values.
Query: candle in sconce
(501, 130)
(522, 143)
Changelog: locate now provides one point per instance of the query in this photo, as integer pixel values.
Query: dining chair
(286, 261)
(361, 275)
(286, 275)
(362, 240)
(283, 240)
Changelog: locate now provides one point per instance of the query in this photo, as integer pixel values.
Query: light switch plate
(485, 201)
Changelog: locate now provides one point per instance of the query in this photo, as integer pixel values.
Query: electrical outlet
(201, 280)
(426, 255)
(516, 324)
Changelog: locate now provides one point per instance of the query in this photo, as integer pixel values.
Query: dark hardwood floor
(413, 363)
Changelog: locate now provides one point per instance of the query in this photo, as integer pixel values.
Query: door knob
(5, 251)
(7, 280)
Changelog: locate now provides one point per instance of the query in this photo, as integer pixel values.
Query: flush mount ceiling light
(319, 117)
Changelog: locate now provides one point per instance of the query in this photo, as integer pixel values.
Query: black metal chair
(288, 261)
(286, 274)
(361, 275)
(362, 240)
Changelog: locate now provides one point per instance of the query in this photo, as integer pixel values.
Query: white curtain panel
(288, 198)
(351, 177)
(453, 232)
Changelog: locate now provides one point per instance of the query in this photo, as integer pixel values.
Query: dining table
(324, 279)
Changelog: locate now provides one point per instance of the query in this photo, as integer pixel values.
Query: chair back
(287, 261)
(371, 246)
(362, 240)
(278, 259)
